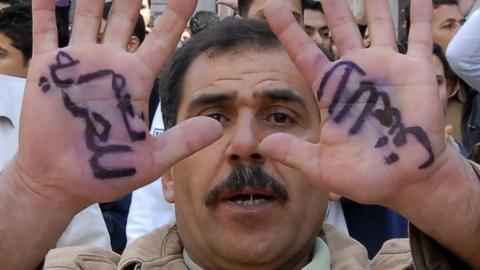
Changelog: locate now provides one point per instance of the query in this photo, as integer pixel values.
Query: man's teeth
(250, 202)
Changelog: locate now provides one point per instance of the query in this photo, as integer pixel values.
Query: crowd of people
(289, 135)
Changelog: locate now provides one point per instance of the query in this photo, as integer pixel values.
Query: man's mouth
(249, 196)
(251, 199)
(247, 186)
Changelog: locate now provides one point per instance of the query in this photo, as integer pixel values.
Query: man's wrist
(14, 187)
(29, 220)
(445, 203)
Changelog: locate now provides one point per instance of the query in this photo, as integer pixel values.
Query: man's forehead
(244, 69)
(445, 12)
(5, 41)
(314, 18)
(243, 60)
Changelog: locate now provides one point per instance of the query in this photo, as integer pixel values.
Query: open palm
(86, 105)
(382, 126)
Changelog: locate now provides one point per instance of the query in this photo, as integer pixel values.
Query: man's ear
(133, 44)
(334, 197)
(167, 184)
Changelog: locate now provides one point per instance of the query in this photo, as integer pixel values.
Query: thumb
(184, 140)
(293, 152)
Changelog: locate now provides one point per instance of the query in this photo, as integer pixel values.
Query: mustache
(247, 176)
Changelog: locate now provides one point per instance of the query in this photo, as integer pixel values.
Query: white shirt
(149, 210)
(463, 52)
(88, 226)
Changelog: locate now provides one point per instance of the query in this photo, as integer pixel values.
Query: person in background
(315, 24)
(463, 56)
(446, 21)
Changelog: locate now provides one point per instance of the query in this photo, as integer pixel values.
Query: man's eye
(309, 30)
(218, 116)
(448, 26)
(280, 118)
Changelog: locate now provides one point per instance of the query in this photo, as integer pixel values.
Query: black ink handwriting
(388, 116)
(97, 127)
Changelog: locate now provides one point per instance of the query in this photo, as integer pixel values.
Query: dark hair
(16, 24)
(226, 36)
(202, 20)
(449, 74)
(139, 30)
(244, 7)
(437, 3)
(313, 5)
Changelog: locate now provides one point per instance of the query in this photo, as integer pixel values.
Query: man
(15, 40)
(138, 33)
(316, 26)
(254, 196)
(447, 20)
(15, 54)
(254, 9)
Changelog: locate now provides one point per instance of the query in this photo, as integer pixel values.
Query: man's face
(12, 61)
(446, 21)
(315, 25)
(256, 9)
(252, 226)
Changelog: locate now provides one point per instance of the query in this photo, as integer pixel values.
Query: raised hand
(83, 135)
(382, 126)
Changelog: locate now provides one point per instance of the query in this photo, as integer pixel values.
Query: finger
(345, 33)
(44, 30)
(380, 24)
(163, 38)
(420, 37)
(184, 140)
(304, 52)
(87, 20)
(121, 22)
(291, 151)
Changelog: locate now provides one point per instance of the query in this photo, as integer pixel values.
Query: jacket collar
(164, 245)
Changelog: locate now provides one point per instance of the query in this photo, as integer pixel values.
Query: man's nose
(317, 38)
(246, 137)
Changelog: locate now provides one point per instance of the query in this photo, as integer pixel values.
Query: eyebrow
(285, 95)
(209, 99)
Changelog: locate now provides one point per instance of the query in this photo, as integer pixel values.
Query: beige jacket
(162, 249)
